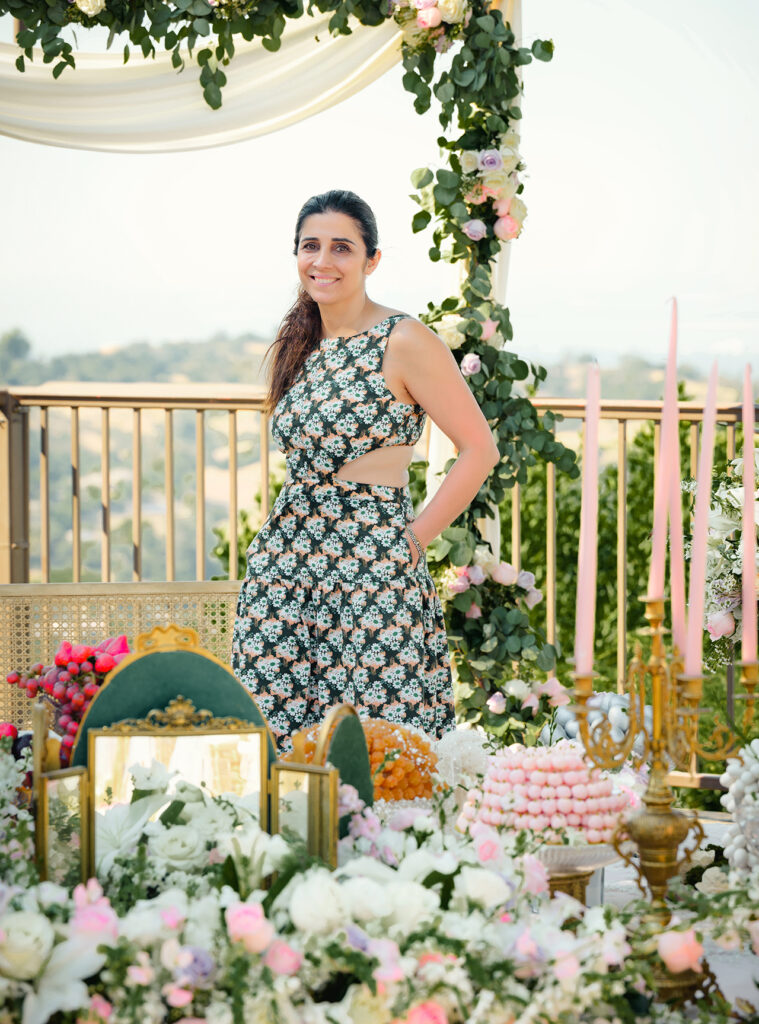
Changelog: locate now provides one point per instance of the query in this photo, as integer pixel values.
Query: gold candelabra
(671, 741)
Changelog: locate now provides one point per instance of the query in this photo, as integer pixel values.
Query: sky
(640, 140)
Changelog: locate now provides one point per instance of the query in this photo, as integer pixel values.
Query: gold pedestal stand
(657, 829)
(573, 883)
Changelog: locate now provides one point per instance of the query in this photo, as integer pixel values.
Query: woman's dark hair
(301, 328)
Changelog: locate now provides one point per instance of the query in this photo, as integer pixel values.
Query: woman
(338, 604)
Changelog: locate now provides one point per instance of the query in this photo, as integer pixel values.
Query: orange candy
(407, 777)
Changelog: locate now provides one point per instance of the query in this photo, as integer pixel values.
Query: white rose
(510, 139)
(501, 182)
(180, 846)
(478, 885)
(469, 160)
(517, 689)
(91, 7)
(510, 159)
(317, 904)
(713, 881)
(485, 558)
(365, 898)
(517, 210)
(26, 939)
(156, 777)
(409, 904)
(453, 11)
(448, 331)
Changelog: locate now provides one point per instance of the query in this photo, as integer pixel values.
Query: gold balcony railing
(108, 482)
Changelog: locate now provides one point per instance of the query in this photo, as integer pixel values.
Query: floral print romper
(331, 609)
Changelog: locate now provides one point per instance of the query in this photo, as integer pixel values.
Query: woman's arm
(432, 375)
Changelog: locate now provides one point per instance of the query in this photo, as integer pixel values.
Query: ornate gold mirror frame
(318, 812)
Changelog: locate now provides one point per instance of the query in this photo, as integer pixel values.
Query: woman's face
(332, 260)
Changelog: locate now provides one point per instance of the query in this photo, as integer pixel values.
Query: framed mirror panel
(304, 801)
(64, 826)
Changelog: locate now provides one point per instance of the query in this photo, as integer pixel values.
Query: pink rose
(489, 328)
(427, 1013)
(176, 996)
(282, 959)
(475, 612)
(429, 18)
(505, 574)
(497, 703)
(502, 207)
(99, 1010)
(476, 574)
(470, 364)
(535, 875)
(247, 923)
(680, 951)
(475, 229)
(530, 701)
(490, 160)
(567, 966)
(98, 919)
(459, 585)
(506, 227)
(720, 624)
(533, 597)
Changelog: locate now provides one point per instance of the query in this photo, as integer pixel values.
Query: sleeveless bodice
(339, 406)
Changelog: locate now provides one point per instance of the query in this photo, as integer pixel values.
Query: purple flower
(474, 229)
(200, 971)
(490, 160)
(357, 937)
(526, 580)
(470, 364)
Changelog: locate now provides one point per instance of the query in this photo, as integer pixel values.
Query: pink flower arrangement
(246, 923)
(546, 790)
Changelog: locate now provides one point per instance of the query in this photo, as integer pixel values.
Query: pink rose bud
(282, 959)
(502, 207)
(489, 328)
(475, 612)
(505, 574)
(429, 18)
(720, 624)
(459, 585)
(680, 951)
(475, 229)
(530, 701)
(506, 228)
(470, 364)
(497, 703)
(476, 574)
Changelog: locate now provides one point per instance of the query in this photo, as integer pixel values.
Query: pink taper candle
(676, 545)
(587, 561)
(748, 649)
(664, 470)
(694, 644)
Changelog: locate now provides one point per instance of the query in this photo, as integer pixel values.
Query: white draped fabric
(146, 106)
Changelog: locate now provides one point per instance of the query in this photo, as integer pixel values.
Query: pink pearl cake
(550, 790)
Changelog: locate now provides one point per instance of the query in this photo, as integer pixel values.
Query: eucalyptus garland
(473, 204)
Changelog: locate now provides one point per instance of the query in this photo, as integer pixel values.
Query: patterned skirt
(332, 610)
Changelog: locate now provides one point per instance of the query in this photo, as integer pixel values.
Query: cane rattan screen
(35, 618)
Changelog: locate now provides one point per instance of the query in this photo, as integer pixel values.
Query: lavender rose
(474, 229)
(490, 160)
(470, 364)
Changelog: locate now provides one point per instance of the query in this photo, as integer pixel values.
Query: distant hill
(239, 360)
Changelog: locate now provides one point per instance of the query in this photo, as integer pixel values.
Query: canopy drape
(146, 106)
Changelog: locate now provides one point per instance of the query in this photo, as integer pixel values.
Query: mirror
(150, 758)
(63, 818)
(304, 801)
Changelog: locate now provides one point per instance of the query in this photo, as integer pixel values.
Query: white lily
(118, 830)
(60, 986)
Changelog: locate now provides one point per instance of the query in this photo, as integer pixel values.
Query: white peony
(365, 899)
(480, 886)
(180, 846)
(517, 689)
(448, 330)
(118, 830)
(317, 903)
(470, 161)
(26, 939)
(410, 904)
(453, 11)
(713, 881)
(90, 7)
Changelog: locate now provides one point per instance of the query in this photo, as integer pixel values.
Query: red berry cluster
(71, 683)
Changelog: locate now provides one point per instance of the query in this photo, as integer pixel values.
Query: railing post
(14, 491)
